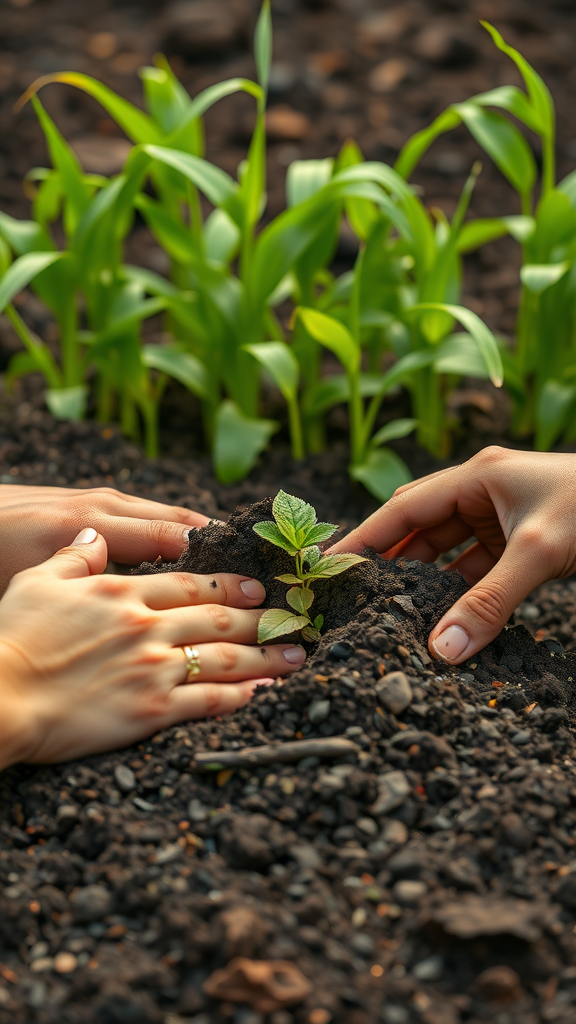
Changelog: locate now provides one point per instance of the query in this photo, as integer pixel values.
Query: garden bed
(393, 869)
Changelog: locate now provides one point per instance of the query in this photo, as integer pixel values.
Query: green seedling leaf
(76, 191)
(22, 272)
(554, 404)
(318, 533)
(311, 555)
(269, 531)
(382, 473)
(216, 185)
(182, 366)
(478, 330)
(238, 442)
(279, 361)
(541, 100)
(393, 431)
(536, 278)
(263, 45)
(305, 178)
(295, 518)
(278, 622)
(67, 403)
(504, 144)
(289, 577)
(319, 621)
(24, 236)
(221, 237)
(333, 335)
(459, 355)
(300, 599)
(333, 565)
(311, 634)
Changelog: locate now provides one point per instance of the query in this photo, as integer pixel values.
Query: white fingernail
(87, 536)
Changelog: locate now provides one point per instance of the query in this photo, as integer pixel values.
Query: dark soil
(428, 875)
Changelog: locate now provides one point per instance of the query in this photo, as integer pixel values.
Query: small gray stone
(91, 902)
(395, 692)
(529, 612)
(408, 892)
(196, 811)
(368, 826)
(66, 813)
(318, 711)
(440, 823)
(430, 969)
(395, 1015)
(521, 737)
(124, 778)
(395, 832)
(143, 805)
(393, 788)
(362, 944)
(489, 730)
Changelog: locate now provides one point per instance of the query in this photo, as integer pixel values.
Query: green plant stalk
(149, 411)
(51, 372)
(70, 349)
(295, 424)
(429, 411)
(356, 409)
(548, 164)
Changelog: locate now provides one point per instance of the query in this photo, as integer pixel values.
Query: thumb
(484, 610)
(87, 555)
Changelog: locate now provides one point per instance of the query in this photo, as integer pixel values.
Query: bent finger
(135, 540)
(205, 700)
(428, 545)
(474, 563)
(231, 662)
(484, 610)
(180, 589)
(85, 556)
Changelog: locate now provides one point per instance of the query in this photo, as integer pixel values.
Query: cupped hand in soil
(37, 521)
(519, 507)
(93, 662)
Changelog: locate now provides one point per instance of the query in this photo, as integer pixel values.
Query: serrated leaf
(311, 555)
(288, 577)
(318, 533)
(278, 622)
(269, 531)
(310, 633)
(300, 599)
(333, 565)
(295, 517)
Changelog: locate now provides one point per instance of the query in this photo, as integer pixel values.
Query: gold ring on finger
(192, 655)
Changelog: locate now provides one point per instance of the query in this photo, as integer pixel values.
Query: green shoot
(297, 531)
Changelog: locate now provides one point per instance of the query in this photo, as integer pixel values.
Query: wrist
(15, 723)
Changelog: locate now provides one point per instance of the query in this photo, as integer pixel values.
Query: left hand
(37, 521)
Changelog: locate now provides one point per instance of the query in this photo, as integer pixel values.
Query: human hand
(518, 505)
(37, 521)
(89, 662)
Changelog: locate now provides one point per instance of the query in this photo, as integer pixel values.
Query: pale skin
(519, 507)
(91, 662)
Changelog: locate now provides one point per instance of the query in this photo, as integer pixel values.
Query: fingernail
(253, 589)
(87, 536)
(186, 534)
(294, 655)
(451, 643)
(262, 682)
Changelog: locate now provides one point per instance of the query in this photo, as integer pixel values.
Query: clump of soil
(370, 596)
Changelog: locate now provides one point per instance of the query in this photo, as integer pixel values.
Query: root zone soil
(376, 839)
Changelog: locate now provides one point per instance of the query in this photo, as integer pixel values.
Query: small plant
(296, 530)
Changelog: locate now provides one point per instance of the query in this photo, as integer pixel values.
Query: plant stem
(295, 421)
(356, 417)
(69, 344)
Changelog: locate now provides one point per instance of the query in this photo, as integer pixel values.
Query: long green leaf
(382, 473)
(238, 442)
(182, 366)
(263, 45)
(538, 277)
(542, 103)
(22, 272)
(478, 330)
(277, 358)
(216, 185)
(333, 335)
(504, 144)
(305, 178)
(552, 410)
(393, 431)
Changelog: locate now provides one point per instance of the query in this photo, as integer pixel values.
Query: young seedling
(296, 529)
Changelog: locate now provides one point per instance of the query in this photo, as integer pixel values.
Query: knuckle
(492, 455)
(488, 604)
(158, 530)
(137, 619)
(189, 585)
(220, 618)
(226, 657)
(113, 586)
(532, 537)
(213, 699)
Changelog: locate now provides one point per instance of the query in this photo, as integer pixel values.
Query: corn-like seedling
(296, 530)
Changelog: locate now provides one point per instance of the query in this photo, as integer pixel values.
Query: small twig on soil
(332, 746)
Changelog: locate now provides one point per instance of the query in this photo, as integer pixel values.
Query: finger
(205, 700)
(86, 556)
(180, 589)
(209, 623)
(231, 662)
(483, 612)
(474, 563)
(116, 503)
(427, 545)
(135, 540)
(421, 507)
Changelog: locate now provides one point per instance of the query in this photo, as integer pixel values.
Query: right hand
(92, 662)
(521, 508)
